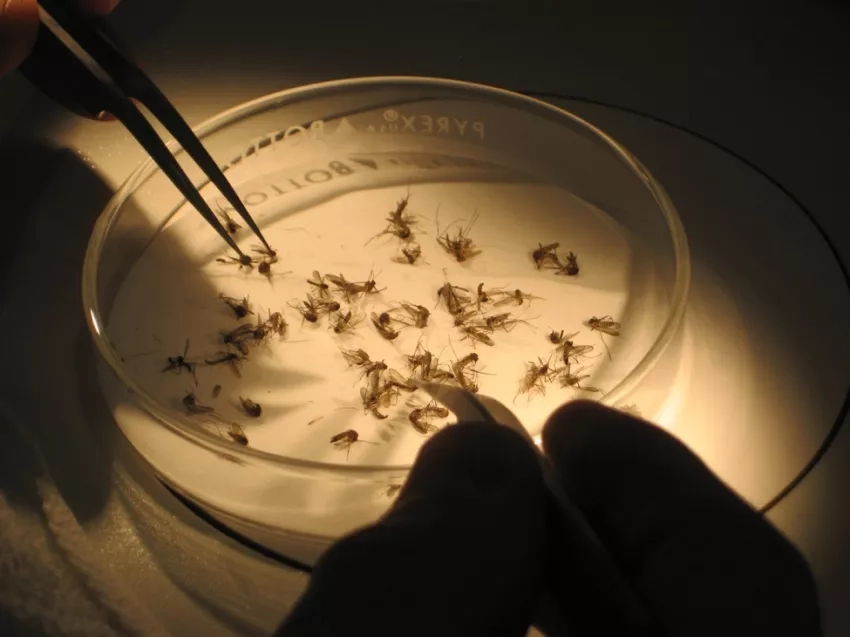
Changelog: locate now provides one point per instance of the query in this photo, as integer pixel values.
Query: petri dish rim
(184, 427)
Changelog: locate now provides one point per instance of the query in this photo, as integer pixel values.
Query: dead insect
(572, 352)
(383, 327)
(229, 224)
(241, 307)
(476, 334)
(243, 261)
(421, 417)
(308, 309)
(410, 254)
(417, 313)
(326, 306)
(356, 357)
(230, 358)
(373, 366)
(517, 297)
(463, 372)
(347, 438)
(461, 364)
(352, 289)
(275, 323)
(398, 381)
(179, 363)
(455, 297)
(267, 254)
(604, 325)
(254, 410)
(486, 296)
(398, 223)
(377, 394)
(346, 322)
(503, 321)
(190, 402)
(237, 434)
(536, 375)
(461, 247)
(574, 380)
(216, 390)
(265, 268)
(570, 268)
(465, 316)
(420, 358)
(556, 338)
(238, 337)
(545, 254)
(318, 282)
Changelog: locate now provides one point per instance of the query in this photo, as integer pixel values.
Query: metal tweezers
(75, 62)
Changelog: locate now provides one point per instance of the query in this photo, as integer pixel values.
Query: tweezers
(76, 63)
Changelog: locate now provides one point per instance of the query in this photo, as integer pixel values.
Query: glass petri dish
(322, 169)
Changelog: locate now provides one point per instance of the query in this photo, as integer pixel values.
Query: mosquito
(572, 352)
(536, 376)
(238, 337)
(357, 357)
(353, 289)
(503, 321)
(232, 359)
(410, 254)
(308, 309)
(377, 395)
(237, 434)
(179, 363)
(318, 282)
(419, 359)
(421, 417)
(372, 367)
(486, 296)
(241, 307)
(517, 297)
(570, 268)
(190, 402)
(383, 326)
(346, 322)
(556, 337)
(574, 380)
(476, 334)
(418, 314)
(243, 261)
(464, 373)
(254, 410)
(267, 254)
(347, 438)
(461, 247)
(398, 381)
(275, 323)
(455, 297)
(545, 254)
(229, 224)
(604, 325)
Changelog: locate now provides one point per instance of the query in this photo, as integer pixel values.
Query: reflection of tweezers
(74, 60)
(593, 565)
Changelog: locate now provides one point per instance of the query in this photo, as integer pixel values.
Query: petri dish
(405, 214)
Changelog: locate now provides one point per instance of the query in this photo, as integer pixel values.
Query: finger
(701, 558)
(461, 552)
(18, 28)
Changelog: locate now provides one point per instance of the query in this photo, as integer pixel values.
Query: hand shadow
(49, 387)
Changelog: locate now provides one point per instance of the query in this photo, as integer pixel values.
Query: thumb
(461, 553)
(18, 28)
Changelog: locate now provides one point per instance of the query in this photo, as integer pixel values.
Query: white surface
(708, 70)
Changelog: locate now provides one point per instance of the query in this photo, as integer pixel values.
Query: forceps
(74, 59)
